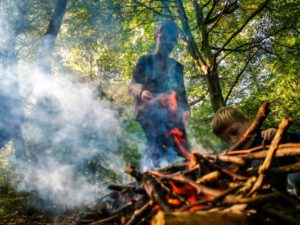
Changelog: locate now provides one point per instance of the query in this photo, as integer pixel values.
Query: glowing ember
(155, 208)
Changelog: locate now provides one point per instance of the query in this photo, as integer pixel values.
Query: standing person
(160, 100)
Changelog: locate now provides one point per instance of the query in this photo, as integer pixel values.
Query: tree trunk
(205, 62)
(50, 36)
(12, 112)
(214, 89)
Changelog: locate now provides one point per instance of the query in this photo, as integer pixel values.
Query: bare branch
(257, 11)
(197, 100)
(167, 8)
(152, 9)
(206, 4)
(186, 28)
(227, 9)
(211, 10)
(239, 75)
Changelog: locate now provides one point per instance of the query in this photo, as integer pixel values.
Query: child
(230, 124)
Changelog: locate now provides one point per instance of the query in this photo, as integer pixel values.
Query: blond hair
(225, 116)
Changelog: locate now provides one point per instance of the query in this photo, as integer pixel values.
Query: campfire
(206, 189)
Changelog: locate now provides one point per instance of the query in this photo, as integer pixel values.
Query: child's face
(234, 131)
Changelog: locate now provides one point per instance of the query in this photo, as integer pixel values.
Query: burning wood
(208, 189)
(185, 196)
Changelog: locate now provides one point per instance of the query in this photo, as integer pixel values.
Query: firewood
(200, 188)
(281, 152)
(168, 191)
(271, 152)
(140, 213)
(215, 166)
(106, 220)
(275, 143)
(210, 188)
(260, 148)
(124, 208)
(229, 159)
(284, 169)
(198, 217)
(208, 178)
(133, 172)
(213, 200)
(126, 188)
(84, 221)
(178, 166)
(155, 192)
(262, 114)
(231, 200)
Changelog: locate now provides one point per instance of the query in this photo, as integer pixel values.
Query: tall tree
(217, 31)
(10, 100)
(50, 36)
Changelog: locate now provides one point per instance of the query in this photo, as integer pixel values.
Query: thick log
(203, 218)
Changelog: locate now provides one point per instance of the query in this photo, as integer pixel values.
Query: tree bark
(205, 64)
(12, 117)
(50, 36)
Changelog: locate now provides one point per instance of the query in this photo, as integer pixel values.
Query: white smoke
(69, 126)
(69, 132)
(58, 184)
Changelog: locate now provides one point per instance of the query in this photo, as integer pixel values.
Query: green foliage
(101, 40)
(200, 127)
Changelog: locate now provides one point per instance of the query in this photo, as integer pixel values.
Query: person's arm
(182, 96)
(269, 134)
(138, 80)
(293, 137)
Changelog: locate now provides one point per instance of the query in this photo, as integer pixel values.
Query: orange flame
(170, 101)
(173, 201)
(179, 140)
(189, 193)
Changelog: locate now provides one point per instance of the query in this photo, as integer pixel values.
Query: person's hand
(146, 96)
(268, 134)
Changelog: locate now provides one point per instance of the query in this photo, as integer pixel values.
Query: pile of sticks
(207, 189)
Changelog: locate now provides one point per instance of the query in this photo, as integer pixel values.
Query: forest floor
(15, 209)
